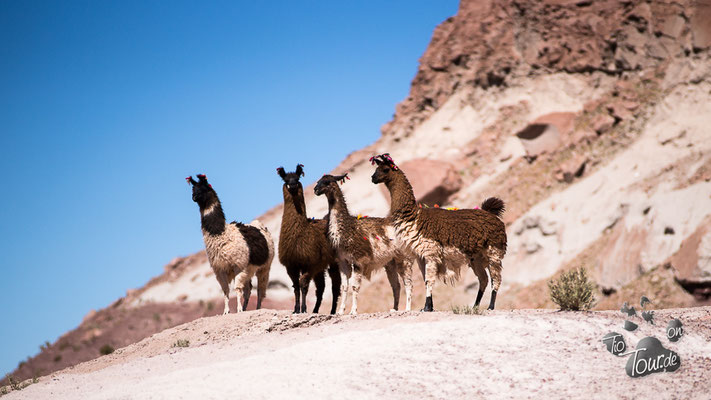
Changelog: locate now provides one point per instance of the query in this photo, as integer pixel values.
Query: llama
(235, 250)
(445, 240)
(364, 243)
(304, 248)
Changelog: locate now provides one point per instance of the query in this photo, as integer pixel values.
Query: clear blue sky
(105, 108)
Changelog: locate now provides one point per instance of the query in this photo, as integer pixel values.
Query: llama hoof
(393, 310)
(225, 312)
(429, 307)
(353, 312)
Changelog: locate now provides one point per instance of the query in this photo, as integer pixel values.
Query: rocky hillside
(590, 119)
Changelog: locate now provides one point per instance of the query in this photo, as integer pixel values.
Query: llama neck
(212, 217)
(294, 207)
(402, 199)
(341, 225)
(336, 201)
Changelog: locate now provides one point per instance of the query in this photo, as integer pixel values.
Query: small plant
(58, 358)
(156, 317)
(181, 343)
(467, 310)
(573, 291)
(106, 349)
(14, 384)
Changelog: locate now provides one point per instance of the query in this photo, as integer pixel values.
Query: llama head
(203, 193)
(291, 179)
(328, 183)
(385, 170)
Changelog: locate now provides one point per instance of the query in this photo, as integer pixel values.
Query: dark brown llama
(304, 248)
(445, 240)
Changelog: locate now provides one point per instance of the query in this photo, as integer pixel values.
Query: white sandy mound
(504, 354)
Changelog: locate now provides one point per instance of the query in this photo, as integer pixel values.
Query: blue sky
(105, 108)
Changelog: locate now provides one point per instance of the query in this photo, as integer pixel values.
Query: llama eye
(386, 169)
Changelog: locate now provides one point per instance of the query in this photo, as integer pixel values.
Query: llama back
(468, 230)
(258, 241)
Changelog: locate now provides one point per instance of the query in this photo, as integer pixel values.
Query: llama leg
(391, 271)
(294, 276)
(478, 265)
(335, 274)
(355, 287)
(247, 293)
(262, 283)
(421, 263)
(305, 282)
(225, 285)
(406, 276)
(430, 277)
(346, 272)
(238, 294)
(243, 286)
(495, 256)
(320, 282)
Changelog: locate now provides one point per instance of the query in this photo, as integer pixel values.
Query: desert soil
(501, 354)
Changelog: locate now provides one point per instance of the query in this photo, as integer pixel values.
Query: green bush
(181, 343)
(573, 291)
(467, 310)
(106, 349)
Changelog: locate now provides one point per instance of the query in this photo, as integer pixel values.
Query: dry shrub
(573, 291)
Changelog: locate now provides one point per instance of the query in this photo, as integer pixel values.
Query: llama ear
(281, 172)
(387, 160)
(342, 178)
(190, 180)
(299, 170)
(375, 160)
(202, 178)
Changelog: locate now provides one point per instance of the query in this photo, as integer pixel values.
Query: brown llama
(445, 240)
(364, 245)
(304, 249)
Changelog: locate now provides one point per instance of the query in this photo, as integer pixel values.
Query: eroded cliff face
(589, 118)
(489, 43)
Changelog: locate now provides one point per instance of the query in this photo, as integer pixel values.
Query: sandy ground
(502, 354)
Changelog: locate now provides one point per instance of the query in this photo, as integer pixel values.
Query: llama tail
(494, 205)
(449, 276)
